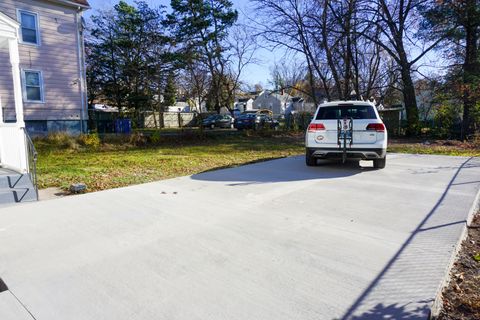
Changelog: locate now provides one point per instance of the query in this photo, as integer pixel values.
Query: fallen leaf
(459, 276)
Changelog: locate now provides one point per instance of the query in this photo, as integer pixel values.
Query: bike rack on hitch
(344, 135)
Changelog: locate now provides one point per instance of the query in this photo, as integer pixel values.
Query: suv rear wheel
(310, 160)
(379, 163)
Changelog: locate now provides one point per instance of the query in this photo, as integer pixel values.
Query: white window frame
(37, 26)
(24, 86)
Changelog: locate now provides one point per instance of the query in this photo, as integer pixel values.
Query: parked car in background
(218, 121)
(260, 111)
(236, 113)
(255, 121)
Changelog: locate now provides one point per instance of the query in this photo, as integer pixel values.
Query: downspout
(81, 68)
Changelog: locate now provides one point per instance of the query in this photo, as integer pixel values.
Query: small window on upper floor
(29, 27)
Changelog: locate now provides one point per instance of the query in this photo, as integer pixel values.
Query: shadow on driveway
(393, 311)
(406, 276)
(282, 170)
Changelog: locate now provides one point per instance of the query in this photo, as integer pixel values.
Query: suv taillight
(379, 127)
(315, 127)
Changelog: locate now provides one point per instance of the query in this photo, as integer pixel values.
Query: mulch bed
(461, 299)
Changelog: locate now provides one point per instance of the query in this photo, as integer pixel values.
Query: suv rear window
(346, 111)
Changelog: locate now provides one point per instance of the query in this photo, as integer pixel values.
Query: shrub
(115, 139)
(476, 140)
(61, 140)
(138, 139)
(89, 140)
(298, 121)
(156, 137)
(446, 117)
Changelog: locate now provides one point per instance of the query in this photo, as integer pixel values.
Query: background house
(425, 92)
(278, 103)
(51, 52)
(180, 106)
(244, 104)
(298, 104)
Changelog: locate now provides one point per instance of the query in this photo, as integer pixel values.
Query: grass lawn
(117, 165)
(442, 147)
(121, 163)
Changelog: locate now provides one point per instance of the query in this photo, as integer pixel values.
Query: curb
(437, 304)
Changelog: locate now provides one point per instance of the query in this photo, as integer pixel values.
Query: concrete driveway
(273, 240)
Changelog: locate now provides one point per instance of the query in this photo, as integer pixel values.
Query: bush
(61, 140)
(476, 140)
(138, 139)
(298, 121)
(156, 137)
(115, 139)
(89, 140)
(446, 118)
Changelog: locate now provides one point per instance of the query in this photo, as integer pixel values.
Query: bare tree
(397, 21)
(286, 74)
(195, 82)
(242, 48)
(282, 24)
(325, 33)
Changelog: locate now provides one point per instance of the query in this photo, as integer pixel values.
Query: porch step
(14, 180)
(6, 197)
(16, 188)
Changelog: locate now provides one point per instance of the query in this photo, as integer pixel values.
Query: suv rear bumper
(356, 153)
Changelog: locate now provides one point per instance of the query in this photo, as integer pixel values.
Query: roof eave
(73, 4)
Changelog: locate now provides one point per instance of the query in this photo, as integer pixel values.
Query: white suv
(346, 130)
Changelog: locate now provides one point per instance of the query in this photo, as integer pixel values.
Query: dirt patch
(52, 193)
(461, 299)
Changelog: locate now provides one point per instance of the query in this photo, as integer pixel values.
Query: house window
(29, 27)
(32, 86)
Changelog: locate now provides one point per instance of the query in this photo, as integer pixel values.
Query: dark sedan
(255, 122)
(218, 121)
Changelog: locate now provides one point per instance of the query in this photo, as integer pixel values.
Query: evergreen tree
(457, 22)
(127, 53)
(200, 27)
(170, 92)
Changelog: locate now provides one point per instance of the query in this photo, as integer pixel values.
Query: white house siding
(424, 104)
(277, 103)
(57, 57)
(244, 105)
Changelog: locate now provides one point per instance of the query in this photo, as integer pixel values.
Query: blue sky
(258, 73)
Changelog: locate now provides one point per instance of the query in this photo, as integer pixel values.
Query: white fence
(170, 119)
(13, 147)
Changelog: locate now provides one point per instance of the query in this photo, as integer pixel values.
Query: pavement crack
(22, 304)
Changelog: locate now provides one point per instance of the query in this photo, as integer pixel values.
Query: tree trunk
(410, 102)
(328, 52)
(155, 123)
(471, 71)
(311, 82)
